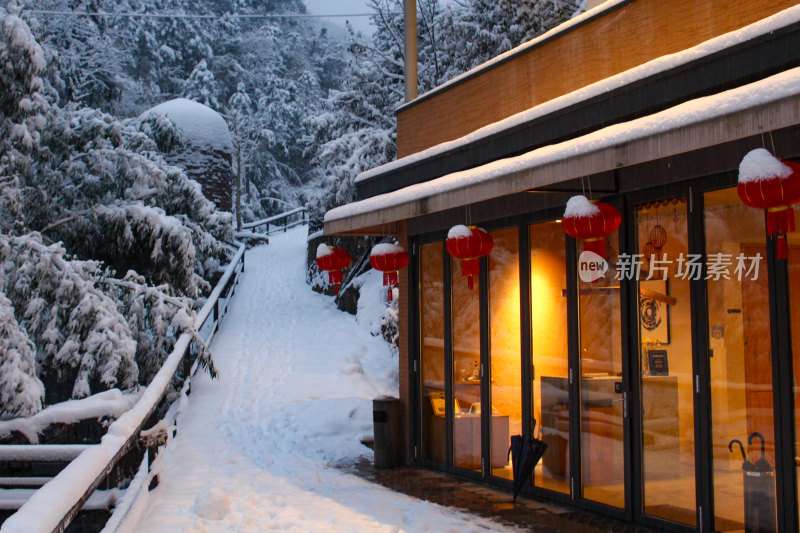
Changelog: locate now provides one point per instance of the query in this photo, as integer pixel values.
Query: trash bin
(387, 440)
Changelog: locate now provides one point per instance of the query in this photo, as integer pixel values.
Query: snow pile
(294, 396)
(385, 248)
(323, 250)
(107, 404)
(459, 230)
(759, 165)
(197, 123)
(579, 207)
(212, 504)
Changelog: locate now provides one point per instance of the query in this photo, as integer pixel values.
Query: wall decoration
(658, 362)
(654, 312)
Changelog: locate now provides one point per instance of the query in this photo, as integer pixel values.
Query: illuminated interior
(466, 338)
(504, 349)
(431, 304)
(549, 356)
(739, 352)
(666, 377)
(602, 408)
(738, 338)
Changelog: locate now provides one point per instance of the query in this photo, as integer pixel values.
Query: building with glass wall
(640, 381)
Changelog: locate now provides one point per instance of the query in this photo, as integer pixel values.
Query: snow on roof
(760, 165)
(779, 20)
(773, 89)
(198, 123)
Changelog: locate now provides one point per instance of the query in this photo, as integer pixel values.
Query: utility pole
(410, 56)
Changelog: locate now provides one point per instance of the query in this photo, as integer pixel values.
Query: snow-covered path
(254, 448)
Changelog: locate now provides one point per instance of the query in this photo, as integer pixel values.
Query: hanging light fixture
(388, 258)
(591, 222)
(469, 243)
(765, 182)
(333, 260)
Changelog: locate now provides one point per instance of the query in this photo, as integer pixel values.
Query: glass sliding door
(602, 396)
(505, 417)
(432, 369)
(466, 338)
(794, 310)
(740, 359)
(549, 353)
(666, 381)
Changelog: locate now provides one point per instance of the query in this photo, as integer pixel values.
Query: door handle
(624, 401)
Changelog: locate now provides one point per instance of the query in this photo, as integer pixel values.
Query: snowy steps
(100, 500)
(27, 460)
(41, 453)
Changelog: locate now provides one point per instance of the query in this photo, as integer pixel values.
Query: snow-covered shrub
(21, 392)
(81, 338)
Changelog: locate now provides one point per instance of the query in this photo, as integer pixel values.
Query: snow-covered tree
(201, 86)
(21, 392)
(97, 185)
(478, 30)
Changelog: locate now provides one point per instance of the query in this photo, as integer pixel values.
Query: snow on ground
(255, 449)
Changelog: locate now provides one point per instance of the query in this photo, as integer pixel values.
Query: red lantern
(334, 260)
(591, 221)
(388, 258)
(469, 244)
(767, 183)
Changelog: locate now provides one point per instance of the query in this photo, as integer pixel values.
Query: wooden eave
(377, 215)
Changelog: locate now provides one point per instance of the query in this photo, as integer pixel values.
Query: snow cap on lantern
(388, 258)
(767, 183)
(591, 222)
(469, 244)
(333, 260)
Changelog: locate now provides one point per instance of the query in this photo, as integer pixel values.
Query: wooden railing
(52, 507)
(283, 221)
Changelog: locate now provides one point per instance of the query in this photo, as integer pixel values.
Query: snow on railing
(273, 219)
(54, 506)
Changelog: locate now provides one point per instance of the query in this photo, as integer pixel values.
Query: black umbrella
(525, 455)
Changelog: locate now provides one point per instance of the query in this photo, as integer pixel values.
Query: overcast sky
(341, 7)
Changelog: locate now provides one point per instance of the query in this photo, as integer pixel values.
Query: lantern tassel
(469, 282)
(470, 267)
(780, 220)
(389, 295)
(335, 277)
(597, 246)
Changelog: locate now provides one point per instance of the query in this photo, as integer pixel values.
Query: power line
(189, 16)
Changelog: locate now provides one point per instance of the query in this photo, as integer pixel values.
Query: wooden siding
(406, 377)
(612, 43)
